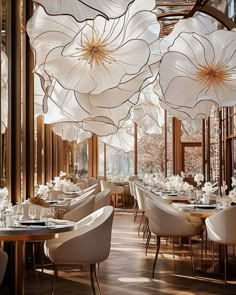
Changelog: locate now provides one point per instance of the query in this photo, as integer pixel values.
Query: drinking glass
(19, 212)
(32, 212)
(218, 201)
(191, 198)
(44, 215)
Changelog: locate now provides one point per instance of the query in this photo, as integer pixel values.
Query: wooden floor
(128, 270)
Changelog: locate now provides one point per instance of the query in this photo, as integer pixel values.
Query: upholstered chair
(89, 244)
(102, 199)
(115, 190)
(85, 208)
(3, 264)
(220, 230)
(167, 221)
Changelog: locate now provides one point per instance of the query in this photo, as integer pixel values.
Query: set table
(19, 235)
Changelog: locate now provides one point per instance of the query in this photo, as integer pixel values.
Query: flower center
(212, 74)
(96, 52)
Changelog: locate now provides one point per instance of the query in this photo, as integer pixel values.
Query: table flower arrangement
(3, 196)
(186, 187)
(199, 178)
(43, 190)
(233, 181)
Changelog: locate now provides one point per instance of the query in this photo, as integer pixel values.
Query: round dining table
(19, 235)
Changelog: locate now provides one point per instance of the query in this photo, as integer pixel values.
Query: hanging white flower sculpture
(84, 10)
(200, 68)
(71, 131)
(4, 91)
(147, 113)
(123, 139)
(197, 24)
(201, 25)
(105, 63)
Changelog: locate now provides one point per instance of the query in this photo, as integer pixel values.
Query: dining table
(19, 235)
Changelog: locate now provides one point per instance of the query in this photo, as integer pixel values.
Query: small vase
(206, 199)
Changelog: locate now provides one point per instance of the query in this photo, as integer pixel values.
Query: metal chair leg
(92, 277)
(191, 253)
(140, 222)
(157, 252)
(148, 241)
(225, 263)
(54, 278)
(97, 281)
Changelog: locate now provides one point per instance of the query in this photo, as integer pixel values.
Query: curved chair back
(167, 221)
(220, 226)
(78, 200)
(85, 208)
(115, 189)
(102, 199)
(133, 177)
(76, 247)
(53, 194)
(140, 197)
(3, 264)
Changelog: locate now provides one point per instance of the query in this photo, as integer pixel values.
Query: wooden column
(135, 149)
(66, 157)
(165, 134)
(40, 159)
(59, 155)
(177, 148)
(208, 150)
(54, 155)
(29, 107)
(220, 148)
(203, 148)
(48, 153)
(92, 156)
(1, 137)
(105, 162)
(14, 114)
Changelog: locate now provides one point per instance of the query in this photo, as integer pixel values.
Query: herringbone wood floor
(128, 270)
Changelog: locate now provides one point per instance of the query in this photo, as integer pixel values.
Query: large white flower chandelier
(84, 10)
(98, 63)
(200, 68)
(105, 63)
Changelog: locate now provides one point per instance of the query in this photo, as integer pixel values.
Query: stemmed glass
(47, 215)
(191, 198)
(32, 212)
(18, 214)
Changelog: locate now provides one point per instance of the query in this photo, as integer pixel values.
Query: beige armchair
(116, 191)
(85, 208)
(220, 230)
(88, 244)
(3, 264)
(166, 221)
(102, 199)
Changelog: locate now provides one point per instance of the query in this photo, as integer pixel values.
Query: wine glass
(191, 198)
(19, 212)
(44, 215)
(32, 212)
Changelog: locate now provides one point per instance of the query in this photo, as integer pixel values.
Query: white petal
(89, 10)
